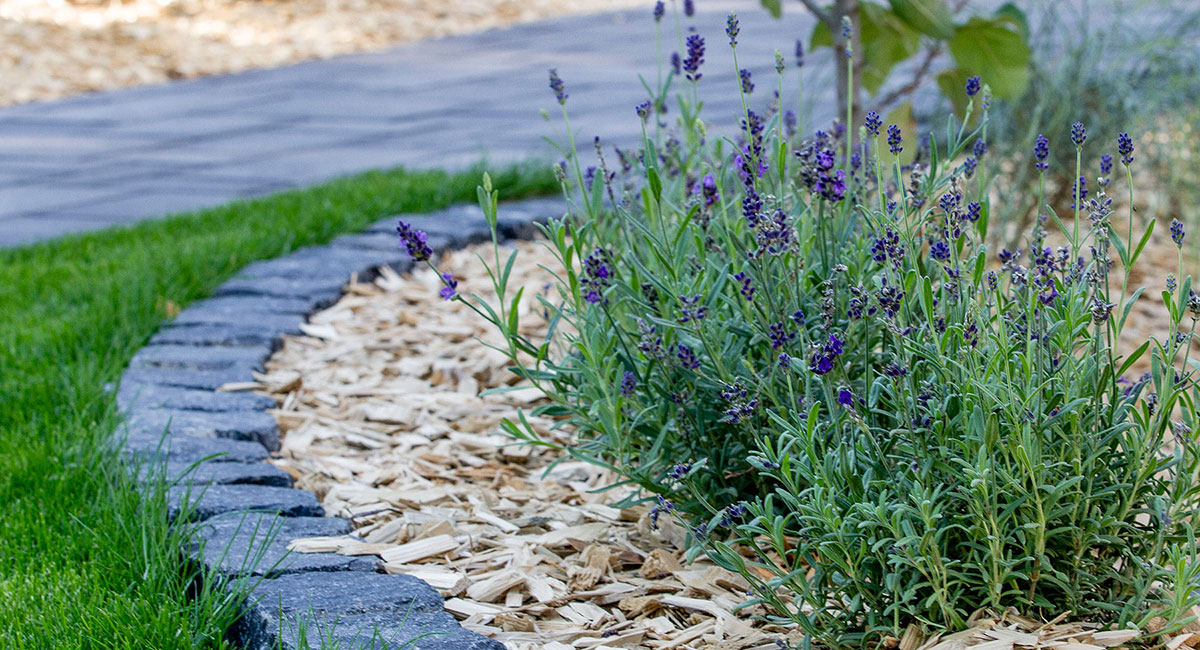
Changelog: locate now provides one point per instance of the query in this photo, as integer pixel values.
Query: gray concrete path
(115, 158)
(106, 159)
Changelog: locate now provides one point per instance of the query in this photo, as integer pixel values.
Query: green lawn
(82, 563)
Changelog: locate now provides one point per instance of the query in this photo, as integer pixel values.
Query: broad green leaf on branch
(1015, 16)
(930, 17)
(885, 39)
(773, 7)
(995, 52)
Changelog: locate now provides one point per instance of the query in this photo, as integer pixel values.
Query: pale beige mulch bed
(382, 420)
(56, 48)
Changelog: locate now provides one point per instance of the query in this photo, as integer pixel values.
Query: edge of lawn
(84, 562)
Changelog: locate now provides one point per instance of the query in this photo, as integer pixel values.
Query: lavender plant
(807, 352)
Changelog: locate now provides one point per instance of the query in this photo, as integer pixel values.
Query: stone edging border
(212, 446)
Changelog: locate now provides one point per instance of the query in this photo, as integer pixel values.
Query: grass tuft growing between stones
(83, 563)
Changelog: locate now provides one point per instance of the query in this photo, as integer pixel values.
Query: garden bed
(378, 403)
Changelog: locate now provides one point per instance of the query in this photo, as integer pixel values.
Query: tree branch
(930, 55)
(820, 14)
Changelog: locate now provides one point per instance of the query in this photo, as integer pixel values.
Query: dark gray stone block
(325, 262)
(269, 324)
(246, 305)
(383, 631)
(210, 357)
(212, 500)
(260, 335)
(237, 425)
(278, 607)
(215, 472)
(372, 241)
(256, 544)
(152, 396)
(186, 378)
(148, 448)
(318, 293)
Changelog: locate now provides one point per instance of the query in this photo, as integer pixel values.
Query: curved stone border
(212, 446)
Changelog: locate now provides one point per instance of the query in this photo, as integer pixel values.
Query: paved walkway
(114, 158)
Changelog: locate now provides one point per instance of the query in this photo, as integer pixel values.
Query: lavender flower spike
(695, 57)
(1125, 148)
(1177, 232)
(732, 29)
(449, 291)
(973, 86)
(1078, 135)
(747, 84)
(415, 242)
(894, 139)
(1041, 150)
(556, 84)
(799, 53)
(873, 122)
(659, 10)
(689, 8)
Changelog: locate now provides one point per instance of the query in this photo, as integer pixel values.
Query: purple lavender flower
(798, 317)
(894, 139)
(779, 335)
(676, 63)
(799, 53)
(414, 242)
(679, 470)
(969, 165)
(695, 57)
(747, 84)
(686, 357)
(832, 187)
(450, 290)
(1041, 150)
(846, 36)
(643, 110)
(895, 370)
(973, 86)
(949, 201)
(974, 210)
(824, 356)
(747, 289)
(1078, 135)
(708, 188)
(628, 383)
(873, 122)
(1106, 163)
(785, 361)
(940, 251)
(659, 9)
(689, 8)
(597, 274)
(980, 148)
(780, 66)
(691, 310)
(556, 84)
(732, 29)
(1125, 148)
(846, 398)
(1079, 186)
(1172, 283)
(1177, 232)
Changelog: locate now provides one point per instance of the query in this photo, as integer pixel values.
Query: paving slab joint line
(211, 446)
